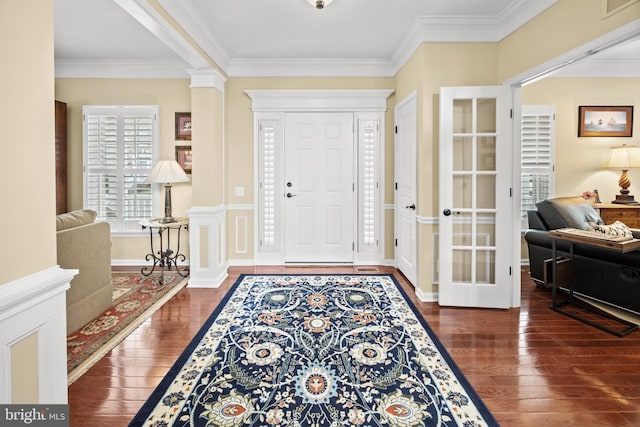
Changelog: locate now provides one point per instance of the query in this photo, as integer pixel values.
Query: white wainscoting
(36, 305)
(207, 246)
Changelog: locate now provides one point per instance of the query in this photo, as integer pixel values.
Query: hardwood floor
(531, 366)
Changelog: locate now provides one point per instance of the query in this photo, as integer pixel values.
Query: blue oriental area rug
(315, 351)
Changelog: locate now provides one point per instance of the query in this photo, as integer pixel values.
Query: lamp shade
(624, 157)
(167, 171)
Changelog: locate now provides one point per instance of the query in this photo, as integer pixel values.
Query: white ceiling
(129, 38)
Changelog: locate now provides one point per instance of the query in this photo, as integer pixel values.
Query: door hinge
(510, 191)
(396, 185)
(511, 113)
(396, 130)
(353, 246)
(396, 242)
(509, 270)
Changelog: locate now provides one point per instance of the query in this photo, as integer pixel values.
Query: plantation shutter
(119, 152)
(538, 147)
(368, 142)
(269, 221)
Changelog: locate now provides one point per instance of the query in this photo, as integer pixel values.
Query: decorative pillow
(75, 219)
(572, 212)
(616, 229)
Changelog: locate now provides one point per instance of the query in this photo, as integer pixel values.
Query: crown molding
(121, 69)
(465, 29)
(618, 68)
(207, 77)
(186, 16)
(143, 12)
(320, 67)
(425, 29)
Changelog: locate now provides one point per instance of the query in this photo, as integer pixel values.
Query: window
(120, 148)
(368, 143)
(269, 224)
(537, 156)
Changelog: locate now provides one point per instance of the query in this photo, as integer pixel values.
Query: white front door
(319, 190)
(475, 189)
(405, 154)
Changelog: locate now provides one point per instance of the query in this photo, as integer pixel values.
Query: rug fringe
(83, 367)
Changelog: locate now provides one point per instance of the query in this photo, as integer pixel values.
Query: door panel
(475, 152)
(319, 187)
(405, 182)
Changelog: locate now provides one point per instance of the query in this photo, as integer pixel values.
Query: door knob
(289, 184)
(446, 212)
(412, 206)
(289, 195)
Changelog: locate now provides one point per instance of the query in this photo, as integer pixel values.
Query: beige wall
(172, 95)
(28, 169)
(564, 26)
(27, 139)
(579, 161)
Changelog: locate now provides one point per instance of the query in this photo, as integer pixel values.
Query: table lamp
(167, 172)
(624, 157)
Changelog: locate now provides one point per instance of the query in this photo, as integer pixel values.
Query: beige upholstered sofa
(85, 244)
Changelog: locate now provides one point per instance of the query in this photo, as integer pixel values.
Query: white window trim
(120, 109)
(539, 111)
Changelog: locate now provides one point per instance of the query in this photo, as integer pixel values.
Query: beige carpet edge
(83, 367)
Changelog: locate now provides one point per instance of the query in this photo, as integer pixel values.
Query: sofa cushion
(572, 212)
(75, 219)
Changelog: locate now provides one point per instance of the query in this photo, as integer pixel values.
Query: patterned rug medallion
(314, 351)
(135, 298)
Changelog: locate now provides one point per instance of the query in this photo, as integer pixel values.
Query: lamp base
(624, 199)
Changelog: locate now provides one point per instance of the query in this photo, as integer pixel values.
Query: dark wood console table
(574, 236)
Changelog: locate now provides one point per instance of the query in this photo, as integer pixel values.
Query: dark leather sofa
(602, 274)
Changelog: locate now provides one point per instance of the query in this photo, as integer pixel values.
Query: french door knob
(289, 195)
(412, 206)
(446, 212)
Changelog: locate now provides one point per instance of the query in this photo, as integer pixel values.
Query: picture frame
(183, 157)
(183, 126)
(605, 121)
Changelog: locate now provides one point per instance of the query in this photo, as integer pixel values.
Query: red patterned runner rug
(135, 299)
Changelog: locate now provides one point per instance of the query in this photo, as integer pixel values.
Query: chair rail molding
(35, 305)
(207, 246)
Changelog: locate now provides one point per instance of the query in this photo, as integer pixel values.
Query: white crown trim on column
(207, 77)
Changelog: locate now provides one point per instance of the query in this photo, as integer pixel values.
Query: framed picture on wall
(183, 126)
(605, 121)
(183, 157)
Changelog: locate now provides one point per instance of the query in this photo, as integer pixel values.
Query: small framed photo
(605, 121)
(183, 126)
(183, 157)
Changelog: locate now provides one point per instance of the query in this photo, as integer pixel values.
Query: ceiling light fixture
(319, 4)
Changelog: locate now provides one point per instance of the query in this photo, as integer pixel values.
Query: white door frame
(272, 104)
(401, 204)
(484, 290)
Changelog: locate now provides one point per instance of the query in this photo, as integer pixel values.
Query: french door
(475, 209)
